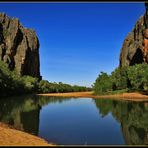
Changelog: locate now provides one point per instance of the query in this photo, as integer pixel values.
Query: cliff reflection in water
(132, 116)
(24, 114)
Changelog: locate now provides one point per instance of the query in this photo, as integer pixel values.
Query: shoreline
(12, 137)
(133, 96)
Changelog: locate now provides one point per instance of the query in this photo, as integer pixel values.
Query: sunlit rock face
(19, 47)
(135, 46)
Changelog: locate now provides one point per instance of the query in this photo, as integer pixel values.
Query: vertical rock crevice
(19, 47)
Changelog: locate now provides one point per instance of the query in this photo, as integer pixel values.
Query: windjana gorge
(19, 47)
(135, 46)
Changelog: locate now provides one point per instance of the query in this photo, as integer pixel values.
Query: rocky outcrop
(19, 47)
(135, 46)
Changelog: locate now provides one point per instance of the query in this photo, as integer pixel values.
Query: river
(78, 121)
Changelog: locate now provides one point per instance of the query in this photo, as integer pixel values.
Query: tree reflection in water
(23, 113)
(132, 116)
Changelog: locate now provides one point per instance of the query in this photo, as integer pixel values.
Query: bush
(13, 84)
(138, 76)
(133, 78)
(43, 86)
(30, 83)
(48, 87)
(103, 83)
(9, 82)
(119, 78)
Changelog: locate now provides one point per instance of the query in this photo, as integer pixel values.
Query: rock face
(135, 46)
(19, 47)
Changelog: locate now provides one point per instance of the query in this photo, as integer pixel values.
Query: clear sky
(77, 40)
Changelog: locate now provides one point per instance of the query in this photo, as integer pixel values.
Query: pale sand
(13, 137)
(134, 96)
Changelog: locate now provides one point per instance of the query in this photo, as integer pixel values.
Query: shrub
(133, 78)
(138, 76)
(103, 83)
(13, 84)
(119, 78)
(30, 83)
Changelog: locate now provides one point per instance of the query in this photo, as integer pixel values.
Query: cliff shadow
(137, 58)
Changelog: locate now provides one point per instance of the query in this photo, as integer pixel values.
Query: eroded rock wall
(135, 46)
(19, 47)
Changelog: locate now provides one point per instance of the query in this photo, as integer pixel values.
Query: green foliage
(119, 78)
(133, 78)
(9, 83)
(138, 76)
(103, 83)
(43, 86)
(48, 87)
(30, 83)
(13, 84)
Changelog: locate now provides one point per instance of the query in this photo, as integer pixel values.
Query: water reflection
(132, 116)
(24, 114)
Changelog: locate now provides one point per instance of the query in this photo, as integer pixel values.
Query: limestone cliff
(135, 46)
(19, 47)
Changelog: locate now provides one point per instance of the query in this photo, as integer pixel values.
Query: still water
(78, 121)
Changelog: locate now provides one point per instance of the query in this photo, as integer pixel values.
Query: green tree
(103, 83)
(43, 86)
(120, 78)
(30, 83)
(138, 76)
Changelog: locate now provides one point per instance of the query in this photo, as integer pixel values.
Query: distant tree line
(123, 79)
(13, 84)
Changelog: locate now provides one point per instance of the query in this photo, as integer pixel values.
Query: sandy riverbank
(13, 137)
(134, 96)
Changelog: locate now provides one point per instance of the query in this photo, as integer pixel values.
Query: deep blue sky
(77, 40)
